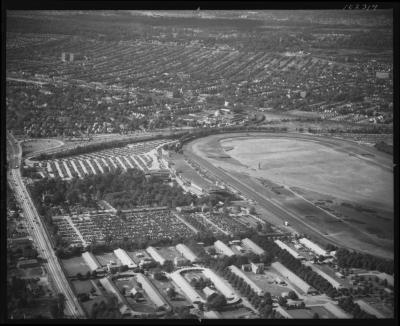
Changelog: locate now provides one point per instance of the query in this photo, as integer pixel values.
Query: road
(38, 231)
(256, 192)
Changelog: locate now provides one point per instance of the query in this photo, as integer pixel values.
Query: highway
(38, 231)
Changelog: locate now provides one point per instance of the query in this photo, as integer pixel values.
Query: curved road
(272, 205)
(38, 231)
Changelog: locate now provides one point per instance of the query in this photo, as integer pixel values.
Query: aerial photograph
(199, 164)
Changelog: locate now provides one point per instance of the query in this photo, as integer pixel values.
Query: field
(266, 281)
(309, 313)
(37, 145)
(75, 265)
(145, 306)
(322, 169)
(83, 286)
(105, 258)
(341, 190)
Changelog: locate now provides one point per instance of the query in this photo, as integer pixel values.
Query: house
(112, 266)
(246, 267)
(28, 263)
(257, 268)
(180, 261)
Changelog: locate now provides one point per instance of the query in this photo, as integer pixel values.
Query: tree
(159, 276)
(123, 268)
(171, 293)
(315, 316)
(268, 298)
(292, 295)
(282, 301)
(168, 266)
(216, 301)
(54, 310)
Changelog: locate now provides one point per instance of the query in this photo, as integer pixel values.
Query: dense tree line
(262, 303)
(123, 189)
(203, 132)
(374, 129)
(18, 294)
(348, 305)
(107, 309)
(30, 172)
(383, 147)
(346, 259)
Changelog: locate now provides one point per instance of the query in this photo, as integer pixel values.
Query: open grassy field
(75, 265)
(309, 313)
(85, 286)
(37, 145)
(266, 281)
(340, 189)
(105, 258)
(316, 167)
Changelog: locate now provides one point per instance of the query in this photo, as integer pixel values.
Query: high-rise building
(71, 57)
(63, 56)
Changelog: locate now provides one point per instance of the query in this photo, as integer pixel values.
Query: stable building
(91, 261)
(153, 252)
(247, 243)
(313, 247)
(28, 263)
(186, 252)
(124, 258)
(293, 278)
(291, 251)
(223, 248)
(248, 281)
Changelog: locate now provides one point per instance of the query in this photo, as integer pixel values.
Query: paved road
(38, 231)
(256, 193)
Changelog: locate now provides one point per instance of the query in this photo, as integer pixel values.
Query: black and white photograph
(201, 163)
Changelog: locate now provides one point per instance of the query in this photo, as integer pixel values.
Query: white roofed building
(223, 248)
(293, 278)
(291, 251)
(313, 247)
(253, 246)
(153, 252)
(124, 258)
(242, 275)
(91, 261)
(185, 286)
(186, 252)
(331, 280)
(151, 291)
(221, 285)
